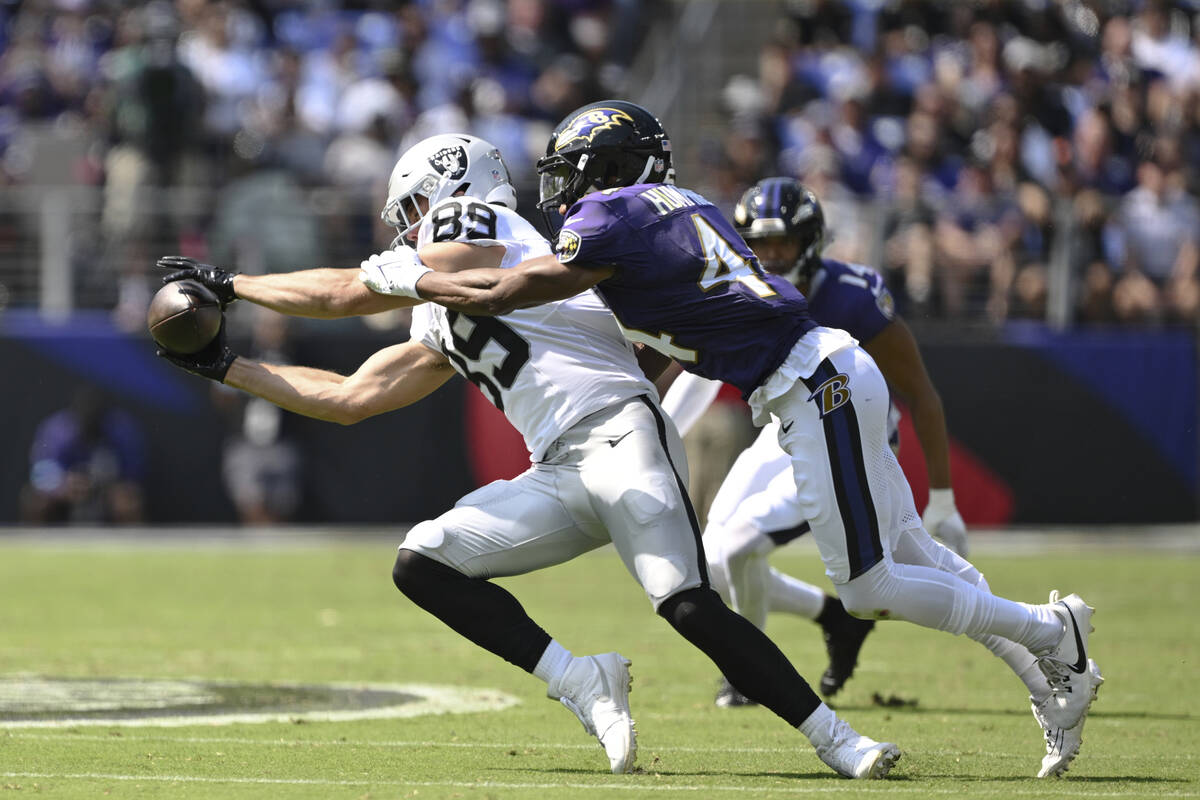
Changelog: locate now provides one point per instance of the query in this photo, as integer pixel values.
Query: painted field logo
(36, 702)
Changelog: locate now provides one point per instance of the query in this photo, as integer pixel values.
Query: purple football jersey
(851, 297)
(685, 282)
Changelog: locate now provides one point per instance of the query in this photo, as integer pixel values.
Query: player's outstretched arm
(895, 351)
(323, 293)
(392, 378)
(495, 292)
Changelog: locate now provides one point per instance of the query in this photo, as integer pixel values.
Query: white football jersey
(545, 367)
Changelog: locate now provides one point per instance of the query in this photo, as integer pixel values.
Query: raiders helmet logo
(832, 394)
(568, 245)
(450, 162)
(585, 126)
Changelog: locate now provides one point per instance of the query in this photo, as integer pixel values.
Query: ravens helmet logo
(585, 126)
(831, 394)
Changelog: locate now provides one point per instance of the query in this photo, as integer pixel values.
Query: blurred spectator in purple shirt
(88, 464)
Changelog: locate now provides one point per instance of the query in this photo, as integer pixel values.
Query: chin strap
(647, 170)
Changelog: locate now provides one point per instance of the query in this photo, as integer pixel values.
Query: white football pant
(617, 475)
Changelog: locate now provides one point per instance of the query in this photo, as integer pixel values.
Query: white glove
(393, 272)
(943, 522)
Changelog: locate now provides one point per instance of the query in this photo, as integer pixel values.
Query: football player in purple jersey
(680, 279)
(756, 509)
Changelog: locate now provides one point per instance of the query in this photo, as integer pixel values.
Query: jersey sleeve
(862, 303)
(423, 328)
(879, 312)
(591, 236)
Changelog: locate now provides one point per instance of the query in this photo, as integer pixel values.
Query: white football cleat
(1066, 665)
(855, 756)
(1063, 745)
(596, 689)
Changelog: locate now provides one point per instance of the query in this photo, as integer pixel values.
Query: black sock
(832, 611)
(743, 653)
(479, 610)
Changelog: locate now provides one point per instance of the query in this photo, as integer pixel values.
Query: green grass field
(315, 612)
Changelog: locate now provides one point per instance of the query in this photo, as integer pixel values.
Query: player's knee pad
(915, 546)
(869, 595)
(425, 536)
(660, 575)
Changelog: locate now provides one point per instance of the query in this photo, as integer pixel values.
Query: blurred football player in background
(756, 509)
(679, 278)
(607, 466)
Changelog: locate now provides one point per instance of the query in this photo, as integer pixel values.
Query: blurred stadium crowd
(252, 103)
(978, 152)
(994, 142)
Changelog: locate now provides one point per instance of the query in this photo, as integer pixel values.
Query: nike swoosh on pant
(1081, 662)
(788, 427)
(617, 441)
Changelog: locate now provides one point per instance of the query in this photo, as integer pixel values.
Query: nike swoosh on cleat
(1081, 662)
(617, 441)
(785, 428)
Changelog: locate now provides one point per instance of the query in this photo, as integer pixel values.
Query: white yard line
(625, 785)
(402, 744)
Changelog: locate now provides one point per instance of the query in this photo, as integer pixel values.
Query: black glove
(220, 281)
(212, 362)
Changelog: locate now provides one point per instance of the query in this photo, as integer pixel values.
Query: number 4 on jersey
(723, 264)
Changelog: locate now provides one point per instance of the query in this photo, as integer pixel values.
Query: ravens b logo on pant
(832, 394)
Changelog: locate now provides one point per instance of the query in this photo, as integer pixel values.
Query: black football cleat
(729, 697)
(844, 636)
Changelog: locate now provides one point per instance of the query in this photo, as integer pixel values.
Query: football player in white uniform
(607, 464)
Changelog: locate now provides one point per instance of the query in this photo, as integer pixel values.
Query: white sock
(819, 726)
(794, 596)
(1046, 632)
(1020, 661)
(553, 663)
(916, 547)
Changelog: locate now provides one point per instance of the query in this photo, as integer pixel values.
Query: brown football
(184, 316)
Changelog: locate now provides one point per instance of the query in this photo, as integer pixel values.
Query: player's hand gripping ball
(184, 316)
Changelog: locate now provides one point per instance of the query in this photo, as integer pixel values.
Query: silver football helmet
(440, 167)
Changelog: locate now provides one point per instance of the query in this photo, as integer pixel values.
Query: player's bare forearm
(324, 293)
(392, 378)
(495, 292)
(895, 351)
(929, 421)
(667, 377)
(311, 392)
